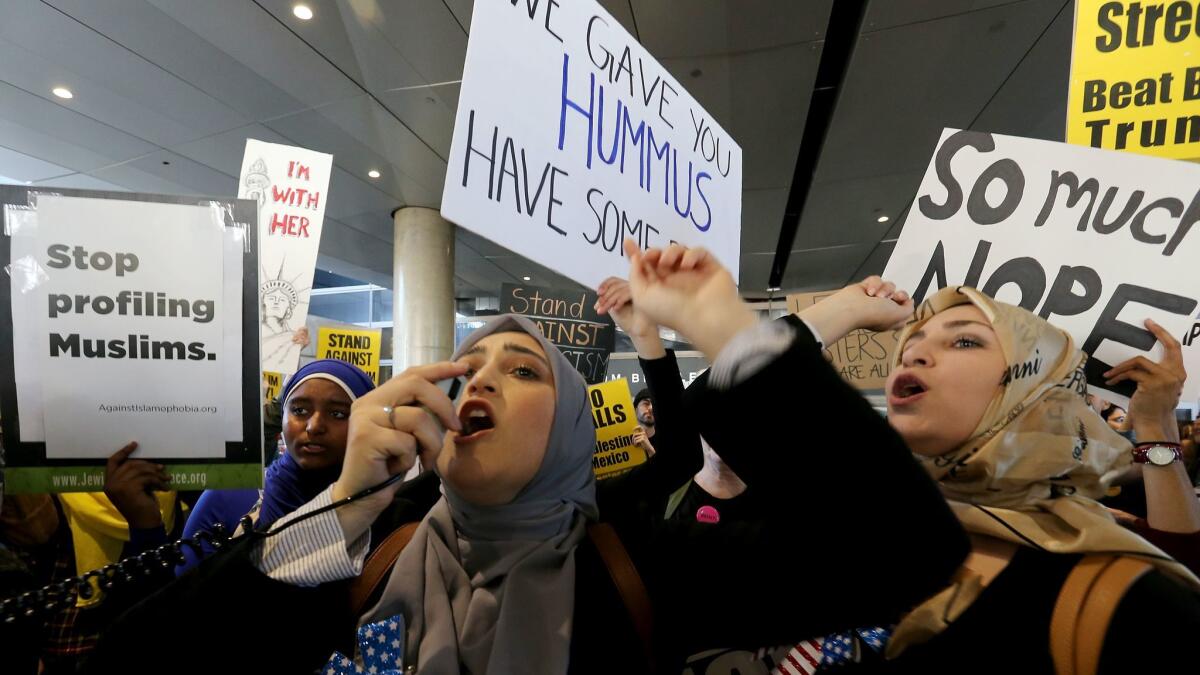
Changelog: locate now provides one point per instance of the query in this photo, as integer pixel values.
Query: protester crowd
(999, 519)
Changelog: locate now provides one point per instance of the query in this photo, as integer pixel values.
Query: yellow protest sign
(1135, 77)
(612, 411)
(356, 347)
(863, 358)
(272, 383)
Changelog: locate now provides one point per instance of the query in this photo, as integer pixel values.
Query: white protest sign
(290, 186)
(1092, 240)
(570, 137)
(136, 350)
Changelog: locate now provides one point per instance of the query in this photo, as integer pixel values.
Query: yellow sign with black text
(356, 347)
(1135, 77)
(612, 411)
(272, 383)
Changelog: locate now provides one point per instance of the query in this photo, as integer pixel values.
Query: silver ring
(391, 415)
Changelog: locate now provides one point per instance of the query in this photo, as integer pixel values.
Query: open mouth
(312, 448)
(906, 389)
(476, 418)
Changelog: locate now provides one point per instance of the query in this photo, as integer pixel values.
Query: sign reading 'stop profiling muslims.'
(570, 137)
(128, 318)
(1135, 77)
(290, 186)
(1092, 240)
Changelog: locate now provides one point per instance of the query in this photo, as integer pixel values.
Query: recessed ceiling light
(525, 278)
(302, 12)
(373, 173)
(881, 219)
(63, 92)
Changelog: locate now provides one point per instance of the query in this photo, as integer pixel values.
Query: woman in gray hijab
(500, 575)
(488, 581)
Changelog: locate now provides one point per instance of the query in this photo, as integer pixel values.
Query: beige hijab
(1033, 469)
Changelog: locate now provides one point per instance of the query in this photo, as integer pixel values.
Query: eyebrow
(919, 334)
(332, 401)
(508, 346)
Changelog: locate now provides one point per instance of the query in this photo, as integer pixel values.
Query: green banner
(19, 480)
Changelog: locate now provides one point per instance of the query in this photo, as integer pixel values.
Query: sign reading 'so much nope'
(570, 138)
(1091, 240)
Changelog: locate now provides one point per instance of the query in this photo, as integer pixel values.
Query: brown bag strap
(629, 584)
(377, 566)
(1085, 608)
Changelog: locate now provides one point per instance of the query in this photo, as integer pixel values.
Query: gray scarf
(492, 589)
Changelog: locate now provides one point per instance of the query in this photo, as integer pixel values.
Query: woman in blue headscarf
(316, 410)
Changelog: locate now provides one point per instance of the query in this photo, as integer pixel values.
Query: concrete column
(423, 290)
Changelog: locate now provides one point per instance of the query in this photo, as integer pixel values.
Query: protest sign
(1092, 240)
(104, 341)
(290, 185)
(570, 137)
(272, 384)
(356, 347)
(863, 358)
(612, 411)
(625, 365)
(569, 320)
(1135, 77)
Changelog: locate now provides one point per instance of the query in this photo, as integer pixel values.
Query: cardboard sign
(125, 320)
(569, 320)
(863, 358)
(290, 186)
(612, 411)
(1094, 241)
(1135, 77)
(570, 137)
(357, 347)
(272, 384)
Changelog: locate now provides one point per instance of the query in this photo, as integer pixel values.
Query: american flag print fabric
(380, 646)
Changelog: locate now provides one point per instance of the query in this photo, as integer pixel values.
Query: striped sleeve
(313, 552)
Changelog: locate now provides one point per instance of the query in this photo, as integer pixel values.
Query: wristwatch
(1157, 454)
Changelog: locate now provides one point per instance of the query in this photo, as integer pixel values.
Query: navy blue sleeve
(214, 506)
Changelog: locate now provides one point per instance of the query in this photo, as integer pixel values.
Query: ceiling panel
(135, 91)
(264, 44)
(158, 38)
(54, 132)
(897, 100)
(427, 34)
(350, 195)
(81, 181)
(428, 112)
(823, 270)
(462, 12)
(350, 40)
(224, 151)
(761, 212)
(30, 72)
(887, 14)
(722, 27)
(165, 172)
(22, 167)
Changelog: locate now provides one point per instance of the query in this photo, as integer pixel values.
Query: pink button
(707, 514)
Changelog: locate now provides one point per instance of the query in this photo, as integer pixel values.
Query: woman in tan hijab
(990, 398)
